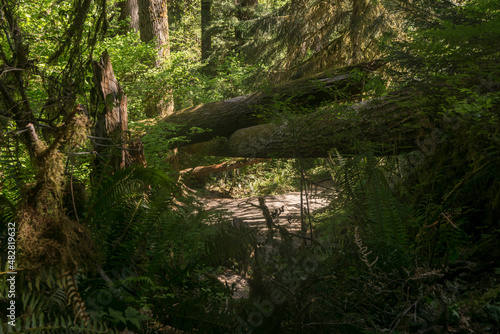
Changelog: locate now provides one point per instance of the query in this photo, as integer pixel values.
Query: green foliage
(158, 138)
(144, 84)
(17, 169)
(402, 236)
(395, 219)
(266, 178)
(120, 204)
(366, 199)
(297, 39)
(133, 67)
(453, 59)
(127, 317)
(43, 305)
(160, 250)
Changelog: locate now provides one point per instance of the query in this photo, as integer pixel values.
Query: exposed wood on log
(222, 167)
(384, 126)
(223, 118)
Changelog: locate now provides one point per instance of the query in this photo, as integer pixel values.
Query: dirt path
(248, 210)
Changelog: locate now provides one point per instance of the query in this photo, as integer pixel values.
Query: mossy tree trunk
(383, 126)
(223, 118)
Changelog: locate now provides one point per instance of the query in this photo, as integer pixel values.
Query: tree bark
(206, 37)
(129, 9)
(111, 125)
(111, 115)
(223, 118)
(154, 25)
(153, 20)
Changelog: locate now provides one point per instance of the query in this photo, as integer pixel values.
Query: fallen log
(385, 126)
(222, 167)
(223, 118)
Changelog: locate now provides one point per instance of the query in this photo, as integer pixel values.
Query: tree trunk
(154, 25)
(153, 19)
(223, 118)
(382, 126)
(111, 115)
(129, 9)
(206, 37)
(111, 125)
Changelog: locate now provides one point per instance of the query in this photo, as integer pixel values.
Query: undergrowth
(380, 263)
(273, 177)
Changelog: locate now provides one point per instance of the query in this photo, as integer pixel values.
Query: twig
(72, 193)
(398, 320)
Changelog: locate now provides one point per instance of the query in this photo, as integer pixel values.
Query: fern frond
(37, 325)
(384, 211)
(363, 250)
(74, 299)
(230, 242)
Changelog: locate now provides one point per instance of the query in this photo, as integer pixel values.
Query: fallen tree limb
(223, 118)
(223, 167)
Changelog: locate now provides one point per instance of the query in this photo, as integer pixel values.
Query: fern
(44, 301)
(366, 200)
(127, 183)
(363, 250)
(385, 213)
(127, 207)
(229, 242)
(154, 243)
(61, 324)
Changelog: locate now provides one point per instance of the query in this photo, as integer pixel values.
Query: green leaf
(131, 312)
(494, 312)
(117, 315)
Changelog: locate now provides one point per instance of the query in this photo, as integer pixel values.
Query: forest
(249, 166)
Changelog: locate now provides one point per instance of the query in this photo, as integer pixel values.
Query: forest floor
(288, 207)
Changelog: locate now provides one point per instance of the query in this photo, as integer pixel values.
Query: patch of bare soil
(236, 283)
(249, 211)
(286, 207)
